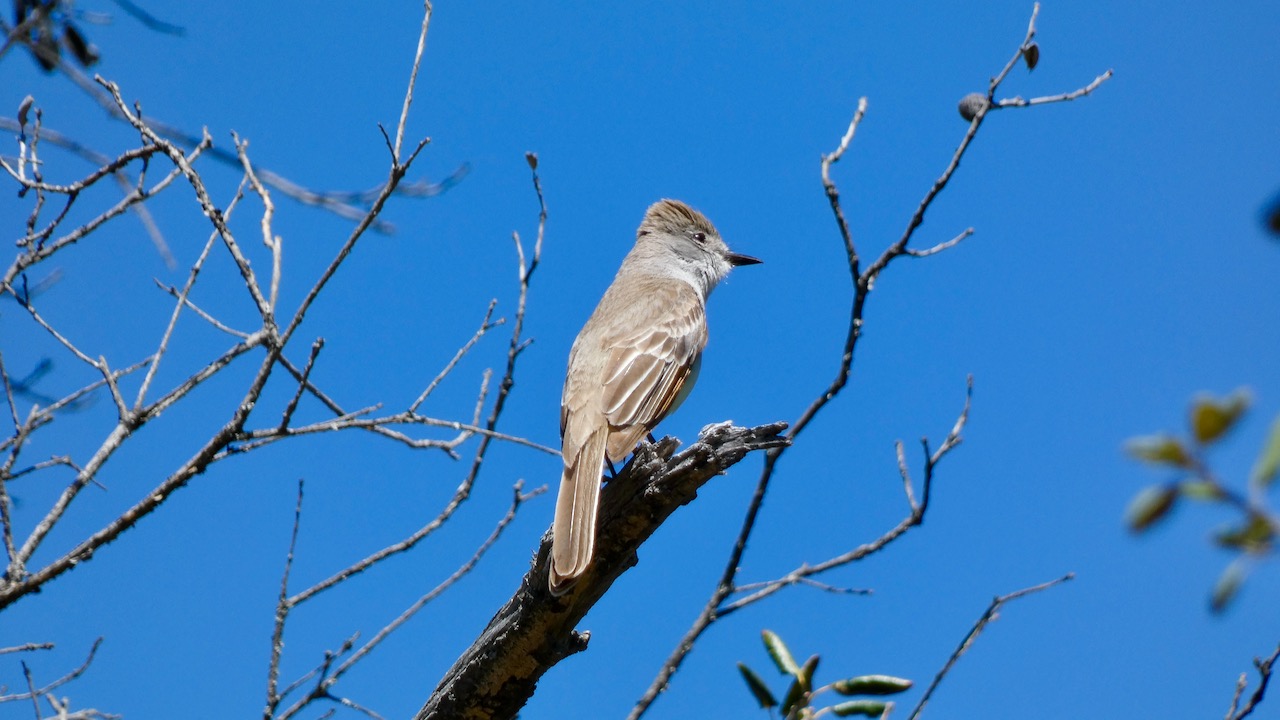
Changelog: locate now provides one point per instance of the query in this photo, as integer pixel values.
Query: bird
(632, 364)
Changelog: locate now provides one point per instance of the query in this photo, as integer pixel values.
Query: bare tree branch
(329, 679)
(990, 614)
(485, 326)
(915, 517)
(346, 204)
(1074, 94)
(1264, 668)
(534, 630)
(413, 81)
(282, 614)
(182, 297)
(28, 647)
(18, 582)
(33, 693)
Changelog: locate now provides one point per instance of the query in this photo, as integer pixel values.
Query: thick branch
(533, 631)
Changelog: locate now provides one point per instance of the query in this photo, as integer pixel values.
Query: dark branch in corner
(1264, 668)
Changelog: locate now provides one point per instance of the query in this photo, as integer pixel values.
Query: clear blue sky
(1118, 267)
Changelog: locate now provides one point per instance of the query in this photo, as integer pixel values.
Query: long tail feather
(574, 533)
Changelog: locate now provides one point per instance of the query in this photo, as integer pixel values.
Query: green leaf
(1255, 535)
(757, 687)
(1159, 450)
(870, 708)
(781, 655)
(1150, 506)
(806, 672)
(1211, 417)
(796, 696)
(1265, 471)
(1201, 490)
(872, 685)
(1227, 586)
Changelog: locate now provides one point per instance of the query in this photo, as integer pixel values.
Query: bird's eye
(700, 237)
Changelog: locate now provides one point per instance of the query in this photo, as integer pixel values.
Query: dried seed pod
(971, 105)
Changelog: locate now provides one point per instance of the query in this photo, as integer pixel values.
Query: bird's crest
(674, 217)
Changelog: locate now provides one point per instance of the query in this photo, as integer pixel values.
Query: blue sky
(1118, 267)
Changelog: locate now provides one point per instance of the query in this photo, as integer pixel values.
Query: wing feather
(648, 365)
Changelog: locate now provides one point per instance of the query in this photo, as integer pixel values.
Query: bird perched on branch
(634, 362)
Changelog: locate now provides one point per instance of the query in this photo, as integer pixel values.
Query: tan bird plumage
(630, 363)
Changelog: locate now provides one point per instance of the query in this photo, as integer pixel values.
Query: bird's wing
(649, 364)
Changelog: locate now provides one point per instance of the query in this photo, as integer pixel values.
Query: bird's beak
(737, 260)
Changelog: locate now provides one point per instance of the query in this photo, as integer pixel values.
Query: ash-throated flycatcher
(634, 361)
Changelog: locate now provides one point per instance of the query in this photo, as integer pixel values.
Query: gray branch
(533, 631)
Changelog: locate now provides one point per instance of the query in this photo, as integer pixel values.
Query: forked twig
(987, 616)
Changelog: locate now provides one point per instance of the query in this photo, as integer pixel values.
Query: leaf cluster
(1252, 536)
(797, 702)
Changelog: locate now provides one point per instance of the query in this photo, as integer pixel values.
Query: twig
(975, 631)
(395, 175)
(1074, 94)
(37, 244)
(811, 583)
(282, 614)
(381, 425)
(33, 693)
(519, 497)
(8, 394)
(413, 80)
(833, 194)
(515, 347)
(323, 668)
(182, 297)
(1241, 683)
(203, 315)
(403, 546)
(463, 492)
(914, 517)
(28, 647)
(1264, 668)
(289, 409)
(532, 159)
(45, 415)
(940, 246)
(6, 522)
(321, 671)
(273, 242)
(327, 679)
(345, 204)
(195, 465)
(215, 215)
(485, 326)
(1026, 41)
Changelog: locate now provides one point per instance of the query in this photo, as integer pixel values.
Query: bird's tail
(573, 536)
